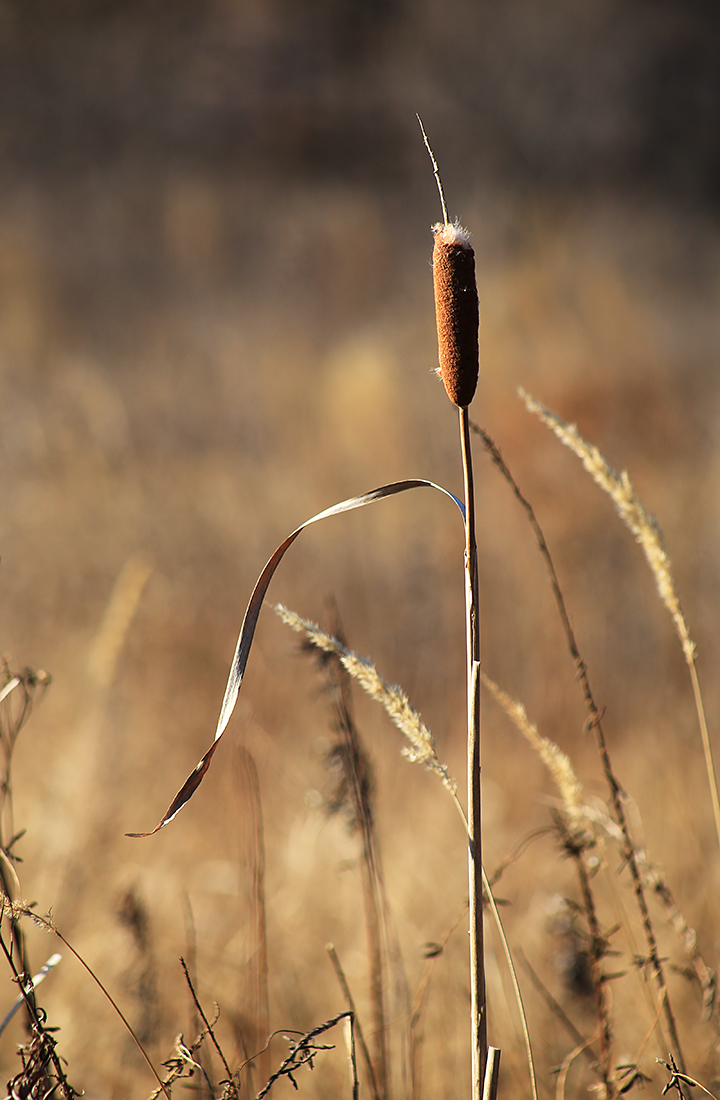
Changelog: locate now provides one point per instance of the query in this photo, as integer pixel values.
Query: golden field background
(216, 320)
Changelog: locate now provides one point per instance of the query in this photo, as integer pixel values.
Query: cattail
(456, 312)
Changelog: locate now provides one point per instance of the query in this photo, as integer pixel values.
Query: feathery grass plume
(456, 311)
(647, 533)
(554, 759)
(421, 749)
(630, 509)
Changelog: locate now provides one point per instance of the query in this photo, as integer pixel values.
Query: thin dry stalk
(595, 725)
(596, 952)
(209, 1028)
(647, 533)
(492, 1073)
(433, 953)
(654, 880)
(357, 788)
(478, 999)
(178, 1062)
(457, 316)
(343, 982)
(565, 1069)
(576, 836)
(183, 1063)
(678, 1079)
(120, 611)
(18, 694)
(585, 820)
(555, 1008)
(253, 866)
(582, 818)
(492, 1066)
(19, 691)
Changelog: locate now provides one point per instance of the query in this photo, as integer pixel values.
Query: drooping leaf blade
(247, 630)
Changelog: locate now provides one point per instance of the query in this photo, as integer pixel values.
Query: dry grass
(122, 451)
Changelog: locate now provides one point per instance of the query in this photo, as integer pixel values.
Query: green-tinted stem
(472, 606)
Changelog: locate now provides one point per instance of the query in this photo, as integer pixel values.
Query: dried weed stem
(576, 838)
(595, 725)
(355, 793)
(343, 983)
(249, 784)
(647, 533)
(41, 1054)
(17, 697)
(303, 1053)
(209, 1028)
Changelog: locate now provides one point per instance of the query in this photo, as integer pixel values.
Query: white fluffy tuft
(452, 234)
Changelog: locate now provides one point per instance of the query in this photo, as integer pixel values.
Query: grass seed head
(456, 312)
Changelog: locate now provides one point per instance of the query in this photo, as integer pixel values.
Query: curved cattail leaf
(456, 312)
(247, 631)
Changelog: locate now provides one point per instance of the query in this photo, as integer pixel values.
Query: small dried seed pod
(456, 312)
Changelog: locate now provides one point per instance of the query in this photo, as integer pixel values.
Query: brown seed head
(456, 312)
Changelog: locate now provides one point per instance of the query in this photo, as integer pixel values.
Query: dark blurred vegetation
(215, 320)
(593, 97)
(143, 141)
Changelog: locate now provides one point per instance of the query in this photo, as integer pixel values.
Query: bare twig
(208, 1026)
(678, 1079)
(340, 973)
(303, 1052)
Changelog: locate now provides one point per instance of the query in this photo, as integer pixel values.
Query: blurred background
(216, 320)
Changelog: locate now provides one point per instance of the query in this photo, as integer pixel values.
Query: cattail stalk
(458, 318)
(475, 876)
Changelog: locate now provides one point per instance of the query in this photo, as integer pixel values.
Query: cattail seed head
(456, 312)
